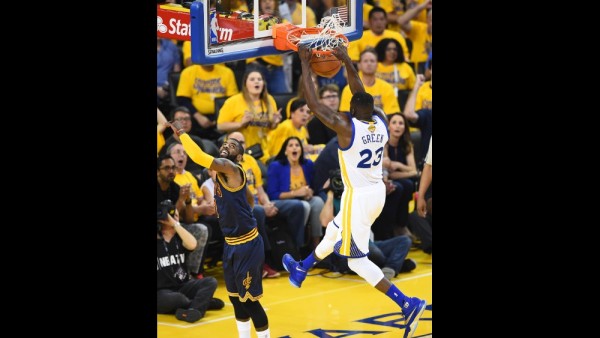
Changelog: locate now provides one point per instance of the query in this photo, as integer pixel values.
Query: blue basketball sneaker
(412, 311)
(297, 273)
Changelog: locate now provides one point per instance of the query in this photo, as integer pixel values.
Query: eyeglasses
(183, 119)
(168, 168)
(391, 49)
(330, 97)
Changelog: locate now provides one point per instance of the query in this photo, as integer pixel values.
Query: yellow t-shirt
(369, 39)
(421, 41)
(203, 86)
(383, 95)
(424, 97)
(253, 175)
(284, 130)
(404, 79)
(297, 181)
(233, 110)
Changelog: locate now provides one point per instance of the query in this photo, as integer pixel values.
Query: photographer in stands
(176, 291)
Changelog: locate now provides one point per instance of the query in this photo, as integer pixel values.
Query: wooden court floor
(325, 306)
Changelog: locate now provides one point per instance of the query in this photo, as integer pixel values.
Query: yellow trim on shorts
(252, 234)
(246, 297)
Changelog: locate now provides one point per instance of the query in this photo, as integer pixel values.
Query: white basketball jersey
(360, 163)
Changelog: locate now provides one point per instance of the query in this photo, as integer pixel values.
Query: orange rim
(293, 38)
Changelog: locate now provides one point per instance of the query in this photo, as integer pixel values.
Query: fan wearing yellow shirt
(198, 87)
(253, 112)
(295, 126)
(392, 67)
(201, 231)
(383, 93)
(378, 31)
(183, 176)
(419, 33)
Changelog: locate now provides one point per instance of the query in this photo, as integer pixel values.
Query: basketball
(325, 65)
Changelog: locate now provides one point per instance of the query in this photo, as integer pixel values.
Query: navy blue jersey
(243, 253)
(234, 212)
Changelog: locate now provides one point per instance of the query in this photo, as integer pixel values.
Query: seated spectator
(419, 32)
(295, 126)
(183, 115)
(392, 67)
(382, 92)
(199, 86)
(167, 189)
(289, 177)
(377, 23)
(399, 166)
(253, 112)
(177, 293)
(182, 177)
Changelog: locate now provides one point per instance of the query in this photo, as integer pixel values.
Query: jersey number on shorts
(366, 155)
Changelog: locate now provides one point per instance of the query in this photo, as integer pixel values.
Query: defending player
(243, 252)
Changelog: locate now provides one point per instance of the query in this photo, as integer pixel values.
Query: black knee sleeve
(239, 309)
(257, 313)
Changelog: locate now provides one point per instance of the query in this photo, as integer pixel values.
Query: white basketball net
(326, 39)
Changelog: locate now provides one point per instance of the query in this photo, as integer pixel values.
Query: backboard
(228, 30)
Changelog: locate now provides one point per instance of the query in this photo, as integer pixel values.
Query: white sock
(243, 329)
(263, 334)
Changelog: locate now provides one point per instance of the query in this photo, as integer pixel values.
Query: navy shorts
(242, 266)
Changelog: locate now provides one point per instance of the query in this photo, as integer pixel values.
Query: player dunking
(243, 252)
(362, 135)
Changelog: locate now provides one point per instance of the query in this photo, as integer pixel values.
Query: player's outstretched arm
(330, 118)
(197, 155)
(354, 81)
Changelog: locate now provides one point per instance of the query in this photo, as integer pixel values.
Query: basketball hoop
(321, 39)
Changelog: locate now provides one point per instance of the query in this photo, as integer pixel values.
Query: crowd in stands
(292, 154)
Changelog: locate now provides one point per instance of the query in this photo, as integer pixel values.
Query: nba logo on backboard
(214, 28)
